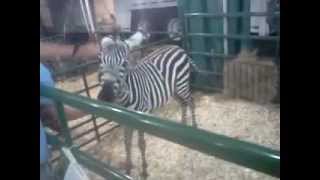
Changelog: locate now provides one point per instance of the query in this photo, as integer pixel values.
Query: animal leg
(184, 106)
(128, 134)
(193, 114)
(142, 146)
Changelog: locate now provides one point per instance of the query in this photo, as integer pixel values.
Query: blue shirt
(45, 78)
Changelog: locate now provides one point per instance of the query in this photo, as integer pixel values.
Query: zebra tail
(193, 65)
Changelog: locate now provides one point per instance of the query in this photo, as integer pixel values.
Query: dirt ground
(215, 113)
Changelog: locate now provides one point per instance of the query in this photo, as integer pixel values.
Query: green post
(214, 45)
(181, 9)
(64, 123)
(245, 44)
(234, 26)
(197, 43)
(243, 153)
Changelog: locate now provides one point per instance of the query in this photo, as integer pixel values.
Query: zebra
(162, 74)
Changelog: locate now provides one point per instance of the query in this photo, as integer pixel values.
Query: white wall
(123, 14)
(259, 24)
(103, 9)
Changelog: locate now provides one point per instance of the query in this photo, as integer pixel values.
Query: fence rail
(243, 153)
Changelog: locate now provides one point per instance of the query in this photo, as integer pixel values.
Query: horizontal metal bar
(150, 32)
(89, 131)
(242, 37)
(159, 32)
(84, 90)
(98, 167)
(165, 40)
(88, 142)
(81, 124)
(206, 88)
(207, 72)
(101, 134)
(231, 15)
(75, 68)
(212, 55)
(51, 37)
(240, 152)
(110, 130)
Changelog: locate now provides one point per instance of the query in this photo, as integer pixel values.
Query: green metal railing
(88, 161)
(203, 26)
(243, 153)
(82, 68)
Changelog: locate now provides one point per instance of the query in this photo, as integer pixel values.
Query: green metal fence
(204, 36)
(243, 153)
(99, 130)
(203, 40)
(92, 119)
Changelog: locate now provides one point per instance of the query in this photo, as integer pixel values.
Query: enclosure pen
(243, 153)
(83, 68)
(215, 39)
(204, 31)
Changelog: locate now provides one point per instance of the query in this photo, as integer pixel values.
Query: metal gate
(215, 31)
(243, 153)
(206, 41)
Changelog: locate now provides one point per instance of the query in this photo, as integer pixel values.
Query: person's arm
(50, 115)
(62, 51)
(50, 112)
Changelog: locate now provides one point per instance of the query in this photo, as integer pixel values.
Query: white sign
(147, 4)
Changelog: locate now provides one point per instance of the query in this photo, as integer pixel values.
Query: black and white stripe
(161, 75)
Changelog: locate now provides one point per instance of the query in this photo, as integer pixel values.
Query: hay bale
(250, 77)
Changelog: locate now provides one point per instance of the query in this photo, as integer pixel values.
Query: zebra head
(114, 67)
(114, 59)
(112, 80)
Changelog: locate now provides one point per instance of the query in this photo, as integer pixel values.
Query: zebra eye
(125, 64)
(115, 88)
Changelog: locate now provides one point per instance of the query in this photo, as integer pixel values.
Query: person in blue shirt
(48, 114)
(58, 51)
(47, 108)
(45, 173)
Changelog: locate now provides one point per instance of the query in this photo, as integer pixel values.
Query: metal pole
(243, 153)
(84, 78)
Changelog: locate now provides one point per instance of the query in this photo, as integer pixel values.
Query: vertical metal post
(64, 123)
(187, 40)
(85, 82)
(225, 26)
(245, 44)
(181, 8)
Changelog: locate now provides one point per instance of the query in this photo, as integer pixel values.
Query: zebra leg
(193, 114)
(184, 113)
(128, 134)
(184, 106)
(142, 146)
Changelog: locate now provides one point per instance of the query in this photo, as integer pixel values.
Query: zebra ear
(106, 42)
(135, 40)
